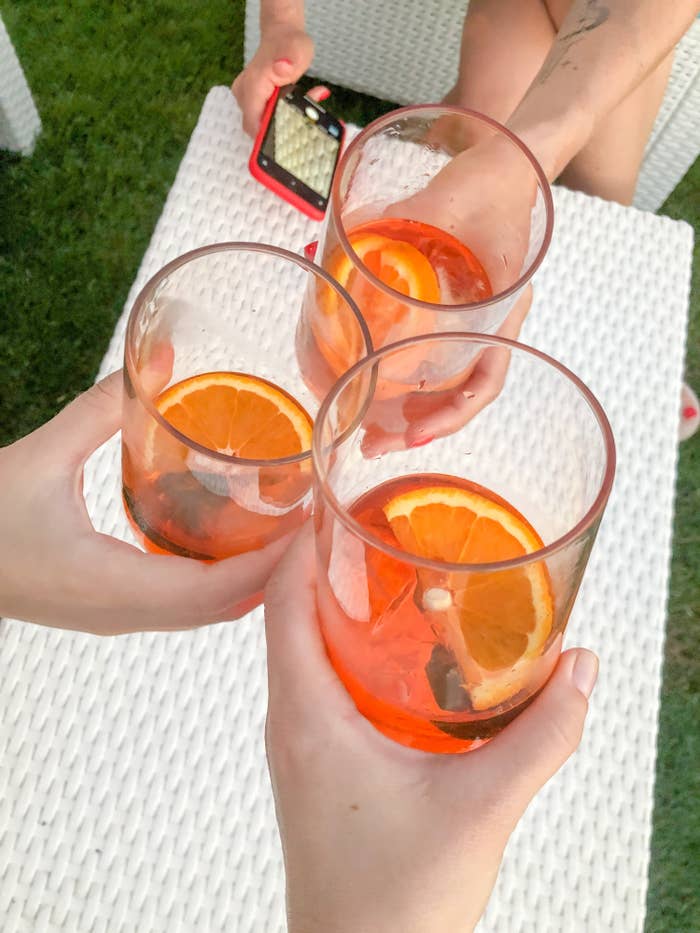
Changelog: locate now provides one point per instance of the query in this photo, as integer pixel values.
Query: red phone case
(290, 197)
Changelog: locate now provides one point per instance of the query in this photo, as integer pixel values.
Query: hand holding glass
(217, 413)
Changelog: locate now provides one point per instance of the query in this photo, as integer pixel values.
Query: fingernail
(585, 672)
(282, 64)
(421, 441)
(323, 95)
(690, 411)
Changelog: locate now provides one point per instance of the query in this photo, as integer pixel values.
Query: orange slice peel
(495, 622)
(238, 415)
(401, 267)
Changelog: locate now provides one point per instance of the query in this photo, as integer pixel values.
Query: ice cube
(233, 481)
(347, 573)
(436, 599)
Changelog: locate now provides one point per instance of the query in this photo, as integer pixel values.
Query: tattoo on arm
(593, 16)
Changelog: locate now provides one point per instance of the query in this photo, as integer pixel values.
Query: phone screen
(301, 147)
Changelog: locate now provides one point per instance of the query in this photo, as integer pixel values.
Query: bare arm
(281, 13)
(603, 50)
(284, 54)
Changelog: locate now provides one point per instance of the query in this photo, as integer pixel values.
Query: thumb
(89, 420)
(290, 611)
(318, 93)
(288, 55)
(300, 675)
(522, 758)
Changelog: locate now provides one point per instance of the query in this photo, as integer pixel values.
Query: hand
(438, 414)
(284, 54)
(378, 837)
(484, 196)
(55, 568)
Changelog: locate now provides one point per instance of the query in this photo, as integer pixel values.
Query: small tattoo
(594, 16)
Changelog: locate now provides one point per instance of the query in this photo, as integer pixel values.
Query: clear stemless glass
(438, 219)
(446, 573)
(217, 414)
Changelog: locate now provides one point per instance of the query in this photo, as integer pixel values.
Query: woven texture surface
(135, 792)
(358, 45)
(19, 120)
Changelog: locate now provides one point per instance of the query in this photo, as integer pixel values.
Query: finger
(512, 325)
(522, 758)
(299, 672)
(155, 373)
(318, 93)
(280, 60)
(376, 441)
(481, 387)
(87, 422)
(153, 592)
(462, 405)
(287, 55)
(442, 414)
(253, 100)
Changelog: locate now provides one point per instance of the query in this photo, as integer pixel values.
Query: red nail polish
(422, 441)
(324, 95)
(310, 250)
(285, 62)
(690, 411)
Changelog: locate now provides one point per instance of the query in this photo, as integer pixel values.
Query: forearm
(601, 53)
(281, 12)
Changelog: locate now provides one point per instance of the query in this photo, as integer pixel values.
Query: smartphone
(297, 149)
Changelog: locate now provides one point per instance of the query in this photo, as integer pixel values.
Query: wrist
(553, 139)
(382, 906)
(285, 14)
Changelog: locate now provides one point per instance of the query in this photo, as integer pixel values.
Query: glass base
(446, 745)
(457, 737)
(454, 735)
(150, 540)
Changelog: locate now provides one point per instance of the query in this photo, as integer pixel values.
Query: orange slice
(397, 263)
(400, 266)
(240, 415)
(236, 414)
(495, 622)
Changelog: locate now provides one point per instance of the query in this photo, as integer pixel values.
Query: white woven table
(135, 792)
(19, 121)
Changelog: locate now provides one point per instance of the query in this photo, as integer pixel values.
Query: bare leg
(608, 165)
(504, 43)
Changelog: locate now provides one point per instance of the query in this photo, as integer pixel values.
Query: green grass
(674, 893)
(119, 88)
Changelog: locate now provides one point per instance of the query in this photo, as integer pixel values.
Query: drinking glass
(217, 414)
(438, 218)
(446, 573)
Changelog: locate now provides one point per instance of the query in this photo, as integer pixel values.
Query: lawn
(119, 88)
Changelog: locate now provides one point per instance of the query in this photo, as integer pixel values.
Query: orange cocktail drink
(438, 219)
(217, 415)
(446, 573)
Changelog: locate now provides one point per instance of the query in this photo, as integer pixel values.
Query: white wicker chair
(358, 45)
(19, 120)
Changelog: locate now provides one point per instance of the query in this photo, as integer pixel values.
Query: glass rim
(545, 187)
(149, 289)
(591, 516)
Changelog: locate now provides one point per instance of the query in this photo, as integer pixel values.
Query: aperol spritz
(447, 572)
(217, 417)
